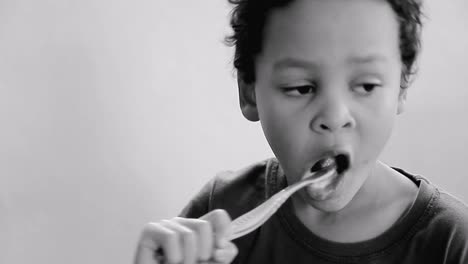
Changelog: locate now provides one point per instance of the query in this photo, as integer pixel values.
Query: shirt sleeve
(457, 242)
(453, 225)
(458, 251)
(200, 204)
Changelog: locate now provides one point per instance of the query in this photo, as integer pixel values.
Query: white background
(114, 113)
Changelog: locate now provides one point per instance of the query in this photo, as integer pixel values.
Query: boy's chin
(333, 202)
(329, 206)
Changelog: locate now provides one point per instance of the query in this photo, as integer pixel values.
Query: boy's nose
(332, 117)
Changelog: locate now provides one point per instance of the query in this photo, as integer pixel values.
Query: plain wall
(114, 113)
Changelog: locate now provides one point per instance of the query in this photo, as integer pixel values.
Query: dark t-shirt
(434, 230)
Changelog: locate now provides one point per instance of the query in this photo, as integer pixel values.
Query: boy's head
(249, 18)
(325, 75)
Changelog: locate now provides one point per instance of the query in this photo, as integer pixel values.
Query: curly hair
(248, 21)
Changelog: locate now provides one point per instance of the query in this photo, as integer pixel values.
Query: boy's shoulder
(442, 207)
(443, 228)
(446, 209)
(449, 214)
(234, 191)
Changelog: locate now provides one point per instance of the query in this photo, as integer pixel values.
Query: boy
(321, 76)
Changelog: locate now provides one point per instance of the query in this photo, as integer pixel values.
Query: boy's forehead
(331, 7)
(365, 30)
(327, 15)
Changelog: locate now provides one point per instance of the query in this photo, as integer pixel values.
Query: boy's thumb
(220, 222)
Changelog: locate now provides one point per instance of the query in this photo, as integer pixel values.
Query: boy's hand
(188, 241)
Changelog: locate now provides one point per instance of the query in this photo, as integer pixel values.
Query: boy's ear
(247, 100)
(401, 100)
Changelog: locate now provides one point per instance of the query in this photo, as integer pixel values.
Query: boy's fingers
(225, 255)
(188, 241)
(220, 222)
(204, 235)
(145, 255)
(157, 236)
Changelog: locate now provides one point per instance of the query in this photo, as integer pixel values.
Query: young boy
(321, 76)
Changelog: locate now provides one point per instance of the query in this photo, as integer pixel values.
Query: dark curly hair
(248, 20)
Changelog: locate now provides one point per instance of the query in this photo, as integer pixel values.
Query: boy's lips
(340, 159)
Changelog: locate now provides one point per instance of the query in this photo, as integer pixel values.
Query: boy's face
(328, 79)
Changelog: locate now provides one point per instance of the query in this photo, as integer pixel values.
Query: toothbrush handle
(251, 220)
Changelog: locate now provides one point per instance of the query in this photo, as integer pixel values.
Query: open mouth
(340, 162)
(325, 184)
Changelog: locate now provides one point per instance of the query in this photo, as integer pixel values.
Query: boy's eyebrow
(366, 59)
(289, 62)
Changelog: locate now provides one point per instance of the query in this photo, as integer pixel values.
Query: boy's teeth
(323, 163)
(340, 162)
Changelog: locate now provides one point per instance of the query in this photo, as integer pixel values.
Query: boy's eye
(366, 88)
(299, 90)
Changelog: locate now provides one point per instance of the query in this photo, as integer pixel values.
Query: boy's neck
(383, 198)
